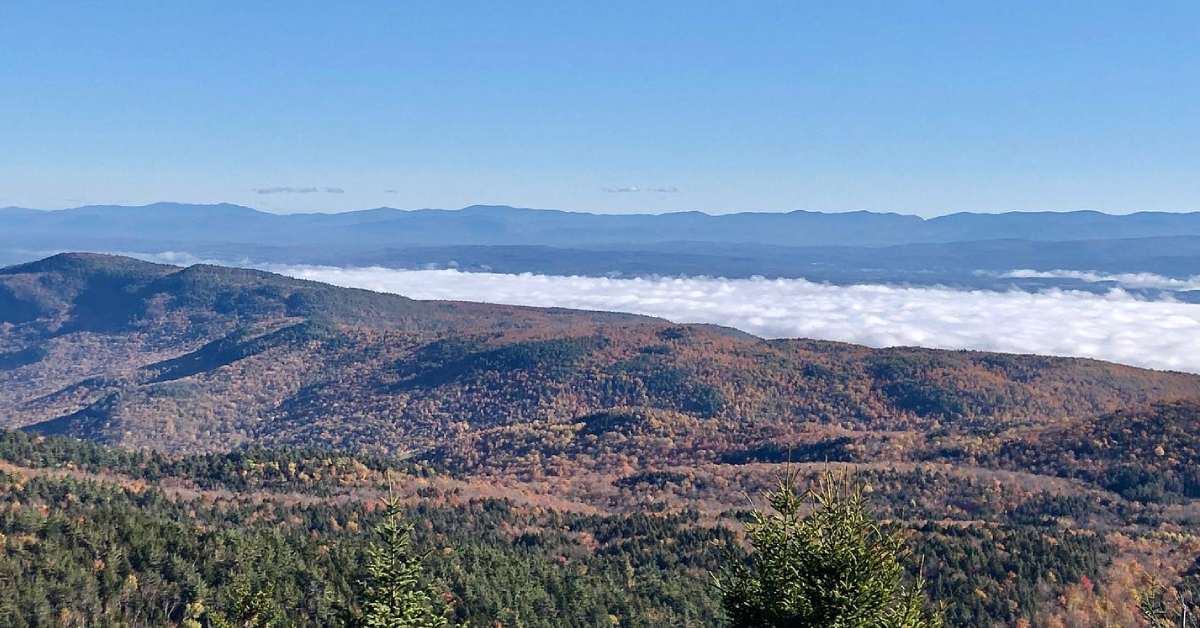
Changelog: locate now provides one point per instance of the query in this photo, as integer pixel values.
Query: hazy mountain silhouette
(853, 246)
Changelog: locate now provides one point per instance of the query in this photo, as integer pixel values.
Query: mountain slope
(205, 358)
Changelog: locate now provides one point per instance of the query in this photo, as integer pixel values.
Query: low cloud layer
(1114, 326)
(1129, 280)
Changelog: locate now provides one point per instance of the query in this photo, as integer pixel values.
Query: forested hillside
(605, 459)
(95, 534)
(205, 358)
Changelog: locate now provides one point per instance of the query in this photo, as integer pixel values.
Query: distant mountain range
(503, 225)
(837, 247)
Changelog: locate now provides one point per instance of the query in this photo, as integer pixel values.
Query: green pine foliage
(833, 567)
(395, 594)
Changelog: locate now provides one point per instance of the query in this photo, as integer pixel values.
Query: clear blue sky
(899, 106)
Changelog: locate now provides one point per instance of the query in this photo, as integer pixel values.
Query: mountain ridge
(204, 358)
(960, 226)
(851, 247)
(477, 207)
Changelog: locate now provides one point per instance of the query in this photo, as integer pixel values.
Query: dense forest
(92, 534)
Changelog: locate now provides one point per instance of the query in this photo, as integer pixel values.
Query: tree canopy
(833, 566)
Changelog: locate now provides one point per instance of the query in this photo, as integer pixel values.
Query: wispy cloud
(633, 189)
(298, 190)
(1128, 280)
(1114, 326)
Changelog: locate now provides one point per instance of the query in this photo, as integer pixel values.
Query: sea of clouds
(1115, 326)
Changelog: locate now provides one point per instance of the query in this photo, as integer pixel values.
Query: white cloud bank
(1116, 326)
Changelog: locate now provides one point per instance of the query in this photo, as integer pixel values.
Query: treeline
(307, 470)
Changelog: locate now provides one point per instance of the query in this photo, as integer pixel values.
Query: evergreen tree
(249, 608)
(832, 568)
(394, 594)
(250, 598)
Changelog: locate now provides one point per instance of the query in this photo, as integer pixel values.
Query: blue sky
(891, 106)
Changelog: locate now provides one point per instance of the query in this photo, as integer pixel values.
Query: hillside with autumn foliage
(1052, 475)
